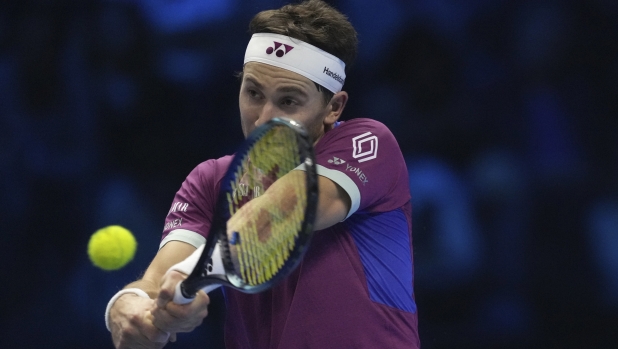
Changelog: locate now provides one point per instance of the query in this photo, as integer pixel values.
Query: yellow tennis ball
(112, 247)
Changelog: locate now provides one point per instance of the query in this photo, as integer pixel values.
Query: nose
(268, 111)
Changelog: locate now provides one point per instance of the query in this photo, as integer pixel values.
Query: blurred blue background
(505, 110)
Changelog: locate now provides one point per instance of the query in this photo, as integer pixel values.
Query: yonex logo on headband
(279, 52)
(299, 57)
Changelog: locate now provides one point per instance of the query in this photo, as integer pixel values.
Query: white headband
(300, 57)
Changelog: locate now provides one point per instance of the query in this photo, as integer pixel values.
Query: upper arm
(333, 204)
(363, 158)
(188, 220)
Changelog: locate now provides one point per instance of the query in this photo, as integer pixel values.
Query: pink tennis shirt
(354, 288)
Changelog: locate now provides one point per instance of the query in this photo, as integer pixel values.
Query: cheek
(316, 130)
(314, 125)
(247, 125)
(245, 118)
(246, 112)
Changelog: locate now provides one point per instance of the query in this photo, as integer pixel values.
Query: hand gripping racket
(264, 215)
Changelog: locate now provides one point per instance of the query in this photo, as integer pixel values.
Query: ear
(335, 108)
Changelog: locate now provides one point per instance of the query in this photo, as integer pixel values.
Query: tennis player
(354, 288)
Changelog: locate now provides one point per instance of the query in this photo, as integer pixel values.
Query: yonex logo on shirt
(173, 224)
(279, 51)
(335, 160)
(365, 147)
(358, 172)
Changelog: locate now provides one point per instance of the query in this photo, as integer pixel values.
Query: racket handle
(179, 298)
(188, 265)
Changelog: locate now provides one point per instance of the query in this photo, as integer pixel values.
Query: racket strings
(260, 255)
(260, 261)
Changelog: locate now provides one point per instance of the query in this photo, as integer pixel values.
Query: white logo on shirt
(369, 143)
(335, 160)
(358, 172)
(173, 224)
(179, 206)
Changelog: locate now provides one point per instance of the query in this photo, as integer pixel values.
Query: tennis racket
(260, 239)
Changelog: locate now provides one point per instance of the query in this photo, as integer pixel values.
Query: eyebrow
(293, 89)
(282, 89)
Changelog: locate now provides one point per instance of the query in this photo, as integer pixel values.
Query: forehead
(272, 76)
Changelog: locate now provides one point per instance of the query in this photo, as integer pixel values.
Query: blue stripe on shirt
(383, 244)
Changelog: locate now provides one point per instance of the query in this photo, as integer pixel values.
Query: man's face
(267, 92)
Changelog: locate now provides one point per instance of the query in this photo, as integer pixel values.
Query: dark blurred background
(505, 110)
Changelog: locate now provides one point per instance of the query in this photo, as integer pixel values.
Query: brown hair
(314, 22)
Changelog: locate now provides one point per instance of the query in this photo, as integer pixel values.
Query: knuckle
(134, 319)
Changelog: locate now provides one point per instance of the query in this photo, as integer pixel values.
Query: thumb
(168, 287)
(166, 293)
(163, 298)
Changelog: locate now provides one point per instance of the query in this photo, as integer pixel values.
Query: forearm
(170, 254)
(283, 196)
(333, 202)
(148, 286)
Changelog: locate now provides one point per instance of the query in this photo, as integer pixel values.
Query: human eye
(253, 93)
(288, 102)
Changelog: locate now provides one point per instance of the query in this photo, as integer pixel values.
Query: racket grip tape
(179, 298)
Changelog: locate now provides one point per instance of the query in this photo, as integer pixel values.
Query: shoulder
(212, 168)
(362, 156)
(356, 133)
(362, 123)
(207, 175)
(358, 126)
(201, 186)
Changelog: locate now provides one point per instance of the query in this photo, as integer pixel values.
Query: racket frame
(199, 277)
